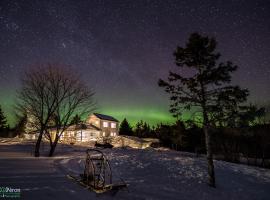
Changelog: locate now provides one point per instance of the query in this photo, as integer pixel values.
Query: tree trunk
(208, 140)
(211, 170)
(209, 152)
(38, 144)
(53, 146)
(52, 149)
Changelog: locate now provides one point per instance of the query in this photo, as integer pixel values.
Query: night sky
(122, 48)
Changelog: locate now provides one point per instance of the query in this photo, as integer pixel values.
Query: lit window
(105, 124)
(104, 134)
(113, 125)
(113, 133)
(97, 122)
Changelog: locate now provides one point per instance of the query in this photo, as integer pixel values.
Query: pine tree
(142, 129)
(250, 115)
(139, 129)
(125, 128)
(207, 83)
(3, 122)
(21, 125)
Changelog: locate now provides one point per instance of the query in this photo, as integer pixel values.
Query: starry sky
(121, 48)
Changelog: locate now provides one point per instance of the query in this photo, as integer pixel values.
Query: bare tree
(36, 99)
(74, 98)
(50, 95)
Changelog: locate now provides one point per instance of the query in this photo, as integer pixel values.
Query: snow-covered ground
(153, 174)
(163, 174)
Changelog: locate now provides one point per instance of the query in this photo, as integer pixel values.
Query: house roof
(105, 117)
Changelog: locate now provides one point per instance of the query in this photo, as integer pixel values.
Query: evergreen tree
(3, 122)
(20, 125)
(206, 83)
(225, 111)
(180, 134)
(173, 136)
(250, 115)
(146, 130)
(125, 128)
(142, 129)
(139, 129)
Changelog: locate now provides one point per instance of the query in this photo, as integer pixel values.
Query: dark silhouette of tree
(37, 100)
(181, 134)
(142, 129)
(73, 97)
(125, 128)
(225, 111)
(164, 133)
(76, 120)
(3, 123)
(251, 115)
(138, 129)
(53, 95)
(206, 83)
(20, 125)
(174, 136)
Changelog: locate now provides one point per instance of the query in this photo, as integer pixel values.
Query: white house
(96, 126)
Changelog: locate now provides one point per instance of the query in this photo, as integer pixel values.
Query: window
(96, 122)
(105, 124)
(113, 125)
(113, 133)
(104, 134)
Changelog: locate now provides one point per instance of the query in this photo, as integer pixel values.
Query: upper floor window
(113, 125)
(105, 124)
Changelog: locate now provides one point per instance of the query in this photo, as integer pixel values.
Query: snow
(153, 174)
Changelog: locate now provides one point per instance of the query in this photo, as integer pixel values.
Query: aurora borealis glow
(122, 47)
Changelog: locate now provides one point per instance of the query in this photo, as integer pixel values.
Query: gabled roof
(105, 117)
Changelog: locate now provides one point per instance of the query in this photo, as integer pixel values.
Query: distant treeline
(248, 144)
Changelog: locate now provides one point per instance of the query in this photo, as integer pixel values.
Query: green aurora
(139, 109)
(152, 115)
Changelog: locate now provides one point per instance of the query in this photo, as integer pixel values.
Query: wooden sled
(97, 174)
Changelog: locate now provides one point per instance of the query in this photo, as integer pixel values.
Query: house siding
(100, 124)
(94, 121)
(92, 130)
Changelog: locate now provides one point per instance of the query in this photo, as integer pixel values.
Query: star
(122, 48)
